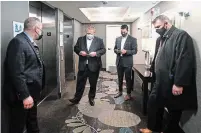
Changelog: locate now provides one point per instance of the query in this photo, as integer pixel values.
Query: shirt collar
(169, 32)
(28, 37)
(32, 41)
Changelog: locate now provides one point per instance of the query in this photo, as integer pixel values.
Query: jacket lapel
(119, 43)
(85, 43)
(127, 39)
(32, 46)
(92, 44)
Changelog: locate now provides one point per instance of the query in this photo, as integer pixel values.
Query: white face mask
(90, 37)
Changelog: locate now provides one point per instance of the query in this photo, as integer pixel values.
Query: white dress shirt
(88, 46)
(123, 42)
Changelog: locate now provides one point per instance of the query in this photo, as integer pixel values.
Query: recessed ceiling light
(104, 2)
(104, 13)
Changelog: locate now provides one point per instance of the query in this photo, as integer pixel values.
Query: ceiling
(97, 11)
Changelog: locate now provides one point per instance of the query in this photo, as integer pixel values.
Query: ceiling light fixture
(104, 2)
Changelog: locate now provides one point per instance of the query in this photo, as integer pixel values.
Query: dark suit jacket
(152, 68)
(24, 70)
(94, 63)
(131, 47)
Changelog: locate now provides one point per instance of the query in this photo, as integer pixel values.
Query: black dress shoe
(91, 102)
(74, 100)
(118, 95)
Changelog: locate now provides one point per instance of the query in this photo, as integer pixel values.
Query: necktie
(37, 51)
(38, 55)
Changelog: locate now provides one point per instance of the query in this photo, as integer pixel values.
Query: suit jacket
(94, 63)
(131, 47)
(176, 65)
(24, 70)
(152, 68)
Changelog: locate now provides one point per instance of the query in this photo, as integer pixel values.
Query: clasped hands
(83, 53)
(123, 51)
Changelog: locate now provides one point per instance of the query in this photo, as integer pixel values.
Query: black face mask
(40, 36)
(124, 34)
(161, 31)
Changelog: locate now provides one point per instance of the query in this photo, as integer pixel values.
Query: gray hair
(162, 18)
(90, 26)
(31, 22)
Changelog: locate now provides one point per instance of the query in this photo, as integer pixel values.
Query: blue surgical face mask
(90, 37)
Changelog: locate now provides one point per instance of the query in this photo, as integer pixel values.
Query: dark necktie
(38, 55)
(37, 51)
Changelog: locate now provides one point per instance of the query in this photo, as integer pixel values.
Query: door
(47, 45)
(112, 32)
(68, 48)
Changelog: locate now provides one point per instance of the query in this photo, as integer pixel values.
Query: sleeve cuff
(24, 95)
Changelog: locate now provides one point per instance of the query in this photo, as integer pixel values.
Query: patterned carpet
(109, 115)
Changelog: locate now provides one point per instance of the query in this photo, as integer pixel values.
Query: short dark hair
(124, 27)
(162, 18)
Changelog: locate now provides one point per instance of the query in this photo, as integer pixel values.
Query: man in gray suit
(24, 77)
(125, 48)
(89, 48)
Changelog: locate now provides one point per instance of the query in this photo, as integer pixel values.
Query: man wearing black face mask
(175, 85)
(24, 77)
(125, 48)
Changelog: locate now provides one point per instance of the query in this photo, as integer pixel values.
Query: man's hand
(28, 102)
(92, 54)
(83, 53)
(118, 51)
(123, 51)
(177, 90)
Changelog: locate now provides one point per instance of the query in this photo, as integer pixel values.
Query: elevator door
(47, 44)
(68, 48)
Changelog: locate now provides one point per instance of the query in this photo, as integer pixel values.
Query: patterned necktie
(37, 51)
(38, 55)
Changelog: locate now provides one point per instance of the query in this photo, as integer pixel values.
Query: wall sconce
(184, 14)
(184, 9)
(139, 28)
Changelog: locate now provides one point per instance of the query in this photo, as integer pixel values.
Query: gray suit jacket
(131, 47)
(94, 63)
(24, 70)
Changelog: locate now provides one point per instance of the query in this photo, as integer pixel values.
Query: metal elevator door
(68, 48)
(47, 44)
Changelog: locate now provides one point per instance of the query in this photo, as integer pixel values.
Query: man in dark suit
(159, 41)
(125, 48)
(24, 77)
(89, 48)
(175, 84)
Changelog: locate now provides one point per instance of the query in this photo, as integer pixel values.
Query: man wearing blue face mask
(89, 48)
